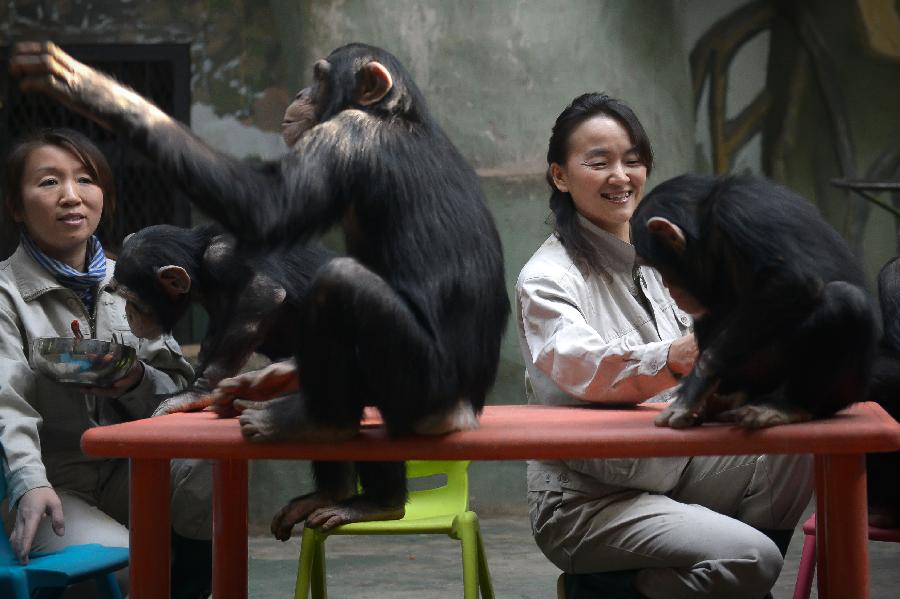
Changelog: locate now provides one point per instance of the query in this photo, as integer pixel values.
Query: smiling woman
(58, 187)
(594, 326)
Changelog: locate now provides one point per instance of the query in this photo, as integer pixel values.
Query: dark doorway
(160, 72)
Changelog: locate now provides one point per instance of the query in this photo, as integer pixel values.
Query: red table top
(507, 433)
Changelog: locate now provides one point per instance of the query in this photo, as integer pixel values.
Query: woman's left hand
(121, 386)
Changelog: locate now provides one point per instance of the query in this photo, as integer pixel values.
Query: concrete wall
(495, 73)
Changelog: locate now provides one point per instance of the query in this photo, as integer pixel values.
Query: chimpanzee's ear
(373, 82)
(175, 281)
(667, 232)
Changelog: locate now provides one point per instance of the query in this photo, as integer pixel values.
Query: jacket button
(563, 478)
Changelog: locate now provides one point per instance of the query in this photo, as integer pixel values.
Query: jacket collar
(33, 280)
(613, 253)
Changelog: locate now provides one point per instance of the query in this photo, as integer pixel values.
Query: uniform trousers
(701, 539)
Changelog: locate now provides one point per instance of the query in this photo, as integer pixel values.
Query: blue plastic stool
(55, 571)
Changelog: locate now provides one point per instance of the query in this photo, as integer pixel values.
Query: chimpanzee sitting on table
(410, 321)
(785, 327)
(883, 469)
(251, 297)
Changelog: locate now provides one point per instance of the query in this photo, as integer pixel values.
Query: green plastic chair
(443, 509)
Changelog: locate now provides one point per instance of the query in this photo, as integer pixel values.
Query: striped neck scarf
(84, 284)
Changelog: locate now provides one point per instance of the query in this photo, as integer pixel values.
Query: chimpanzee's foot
(189, 401)
(297, 510)
(764, 415)
(286, 419)
(460, 417)
(355, 509)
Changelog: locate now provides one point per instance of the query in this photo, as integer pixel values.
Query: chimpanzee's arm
(250, 203)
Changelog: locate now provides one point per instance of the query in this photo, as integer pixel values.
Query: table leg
(230, 529)
(842, 527)
(149, 527)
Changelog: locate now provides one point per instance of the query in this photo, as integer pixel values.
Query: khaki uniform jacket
(599, 336)
(41, 422)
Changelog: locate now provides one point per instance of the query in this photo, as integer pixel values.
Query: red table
(506, 433)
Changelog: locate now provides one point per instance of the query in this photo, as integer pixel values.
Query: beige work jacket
(41, 422)
(600, 336)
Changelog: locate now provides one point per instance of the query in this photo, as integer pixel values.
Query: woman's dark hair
(67, 139)
(582, 108)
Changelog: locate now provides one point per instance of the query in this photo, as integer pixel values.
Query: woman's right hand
(33, 506)
(682, 354)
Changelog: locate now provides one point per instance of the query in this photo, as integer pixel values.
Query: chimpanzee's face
(302, 114)
(141, 319)
(685, 300)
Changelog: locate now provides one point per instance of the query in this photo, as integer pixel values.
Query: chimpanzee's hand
(274, 380)
(189, 401)
(690, 404)
(44, 67)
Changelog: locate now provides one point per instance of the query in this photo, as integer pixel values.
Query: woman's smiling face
(603, 173)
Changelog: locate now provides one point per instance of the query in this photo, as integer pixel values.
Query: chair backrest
(450, 496)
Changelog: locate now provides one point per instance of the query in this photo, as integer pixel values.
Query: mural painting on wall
(235, 47)
(811, 130)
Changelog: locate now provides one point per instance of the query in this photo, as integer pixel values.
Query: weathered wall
(495, 73)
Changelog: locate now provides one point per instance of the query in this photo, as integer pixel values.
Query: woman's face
(603, 173)
(61, 203)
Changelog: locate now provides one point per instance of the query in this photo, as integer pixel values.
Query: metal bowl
(90, 362)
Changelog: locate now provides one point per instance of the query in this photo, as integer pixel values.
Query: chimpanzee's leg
(360, 343)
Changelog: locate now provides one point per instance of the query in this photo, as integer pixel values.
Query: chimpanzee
(883, 469)
(785, 327)
(251, 298)
(409, 322)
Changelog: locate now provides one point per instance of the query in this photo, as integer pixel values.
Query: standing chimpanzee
(410, 322)
(785, 328)
(251, 297)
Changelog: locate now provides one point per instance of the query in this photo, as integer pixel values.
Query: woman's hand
(121, 386)
(34, 505)
(682, 354)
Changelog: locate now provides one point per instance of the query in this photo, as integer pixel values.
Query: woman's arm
(578, 358)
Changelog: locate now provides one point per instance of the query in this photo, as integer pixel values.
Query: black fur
(883, 469)
(412, 321)
(226, 283)
(788, 320)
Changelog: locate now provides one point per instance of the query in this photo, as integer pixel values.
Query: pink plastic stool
(807, 566)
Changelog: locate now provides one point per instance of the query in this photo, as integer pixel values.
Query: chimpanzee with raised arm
(409, 322)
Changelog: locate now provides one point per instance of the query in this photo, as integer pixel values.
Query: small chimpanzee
(251, 297)
(785, 327)
(410, 322)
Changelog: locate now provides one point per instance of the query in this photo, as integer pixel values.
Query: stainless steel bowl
(82, 361)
